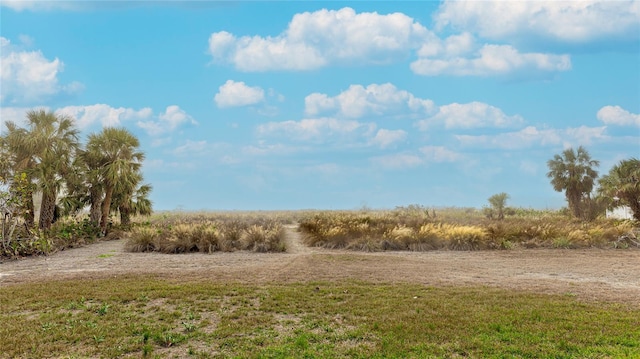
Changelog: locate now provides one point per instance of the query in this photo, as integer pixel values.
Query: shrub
(142, 239)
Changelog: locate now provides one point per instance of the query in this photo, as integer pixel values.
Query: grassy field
(151, 317)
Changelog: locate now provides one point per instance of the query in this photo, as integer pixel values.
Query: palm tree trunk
(125, 215)
(29, 210)
(47, 210)
(106, 207)
(95, 213)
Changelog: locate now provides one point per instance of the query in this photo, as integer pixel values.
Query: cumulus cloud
(234, 94)
(385, 138)
(531, 136)
(565, 21)
(328, 37)
(168, 121)
(616, 115)
(103, 114)
(358, 101)
(489, 60)
(28, 76)
(316, 39)
(470, 115)
(316, 129)
(106, 116)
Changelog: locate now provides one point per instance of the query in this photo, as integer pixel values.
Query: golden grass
(462, 229)
(207, 233)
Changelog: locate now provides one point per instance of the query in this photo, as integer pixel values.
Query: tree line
(47, 157)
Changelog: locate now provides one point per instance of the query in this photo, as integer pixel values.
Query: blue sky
(336, 105)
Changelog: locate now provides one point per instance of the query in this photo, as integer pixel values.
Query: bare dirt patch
(588, 274)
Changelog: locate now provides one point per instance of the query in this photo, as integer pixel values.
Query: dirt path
(294, 243)
(591, 274)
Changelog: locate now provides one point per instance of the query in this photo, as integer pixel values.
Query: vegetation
(208, 233)
(622, 185)
(45, 160)
(574, 173)
(498, 204)
(459, 230)
(144, 317)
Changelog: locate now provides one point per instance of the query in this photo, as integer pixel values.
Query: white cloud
(531, 136)
(439, 154)
(168, 121)
(317, 129)
(489, 60)
(106, 115)
(470, 115)
(385, 138)
(316, 39)
(328, 37)
(234, 94)
(616, 115)
(566, 21)
(358, 101)
(28, 76)
(398, 161)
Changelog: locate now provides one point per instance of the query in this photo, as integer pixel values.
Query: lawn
(154, 317)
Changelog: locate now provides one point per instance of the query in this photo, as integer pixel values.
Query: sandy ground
(588, 274)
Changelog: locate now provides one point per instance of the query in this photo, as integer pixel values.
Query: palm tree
(115, 152)
(132, 200)
(623, 183)
(573, 172)
(498, 202)
(53, 141)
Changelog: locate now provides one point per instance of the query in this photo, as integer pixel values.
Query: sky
(278, 105)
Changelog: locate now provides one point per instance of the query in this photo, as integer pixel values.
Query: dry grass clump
(419, 229)
(206, 236)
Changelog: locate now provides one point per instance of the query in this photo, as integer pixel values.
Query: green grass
(138, 317)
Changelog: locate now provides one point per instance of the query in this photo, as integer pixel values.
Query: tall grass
(464, 229)
(207, 233)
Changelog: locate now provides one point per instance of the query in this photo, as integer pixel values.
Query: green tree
(43, 151)
(573, 172)
(118, 159)
(85, 187)
(53, 141)
(498, 203)
(133, 200)
(623, 183)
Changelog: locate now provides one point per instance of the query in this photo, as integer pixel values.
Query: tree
(19, 161)
(85, 187)
(498, 203)
(43, 152)
(623, 183)
(573, 172)
(131, 201)
(115, 151)
(53, 141)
